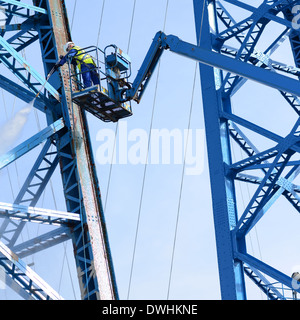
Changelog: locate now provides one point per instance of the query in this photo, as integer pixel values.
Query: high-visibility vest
(82, 57)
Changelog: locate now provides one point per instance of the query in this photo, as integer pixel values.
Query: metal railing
(101, 67)
(75, 75)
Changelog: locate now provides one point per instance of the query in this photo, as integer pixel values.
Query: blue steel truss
(216, 30)
(67, 143)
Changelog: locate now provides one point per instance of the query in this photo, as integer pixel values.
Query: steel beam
(24, 5)
(30, 143)
(42, 242)
(39, 215)
(276, 164)
(32, 189)
(90, 240)
(20, 9)
(266, 269)
(217, 135)
(19, 271)
(28, 67)
(14, 285)
(23, 94)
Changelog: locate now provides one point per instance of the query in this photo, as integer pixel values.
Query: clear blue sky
(194, 268)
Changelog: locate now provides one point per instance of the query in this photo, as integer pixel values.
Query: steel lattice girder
(18, 212)
(221, 123)
(82, 194)
(25, 276)
(47, 21)
(30, 143)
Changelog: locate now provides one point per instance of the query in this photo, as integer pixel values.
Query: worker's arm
(70, 55)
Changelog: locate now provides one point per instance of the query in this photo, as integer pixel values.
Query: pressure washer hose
(47, 79)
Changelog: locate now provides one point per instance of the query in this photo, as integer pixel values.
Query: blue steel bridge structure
(228, 55)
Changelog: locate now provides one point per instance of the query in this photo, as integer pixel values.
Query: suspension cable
(184, 161)
(73, 15)
(181, 185)
(100, 23)
(131, 24)
(146, 166)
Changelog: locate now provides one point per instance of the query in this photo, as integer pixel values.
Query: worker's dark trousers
(89, 75)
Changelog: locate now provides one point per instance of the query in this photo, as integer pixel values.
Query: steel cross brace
(22, 39)
(20, 9)
(260, 280)
(229, 21)
(39, 243)
(247, 41)
(261, 196)
(27, 67)
(270, 15)
(29, 280)
(24, 94)
(35, 285)
(30, 143)
(287, 189)
(10, 48)
(39, 215)
(283, 185)
(257, 158)
(42, 242)
(268, 270)
(32, 189)
(24, 5)
(263, 58)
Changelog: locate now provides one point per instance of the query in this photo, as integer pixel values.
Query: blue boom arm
(144, 75)
(162, 42)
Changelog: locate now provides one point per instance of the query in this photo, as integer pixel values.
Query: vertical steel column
(90, 240)
(218, 147)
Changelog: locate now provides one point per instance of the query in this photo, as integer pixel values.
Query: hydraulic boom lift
(111, 100)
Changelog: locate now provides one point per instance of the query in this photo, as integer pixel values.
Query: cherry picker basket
(103, 100)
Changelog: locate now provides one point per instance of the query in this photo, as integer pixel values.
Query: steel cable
(146, 166)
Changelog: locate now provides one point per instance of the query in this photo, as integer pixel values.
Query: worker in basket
(83, 61)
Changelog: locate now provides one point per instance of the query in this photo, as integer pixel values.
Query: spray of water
(11, 130)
